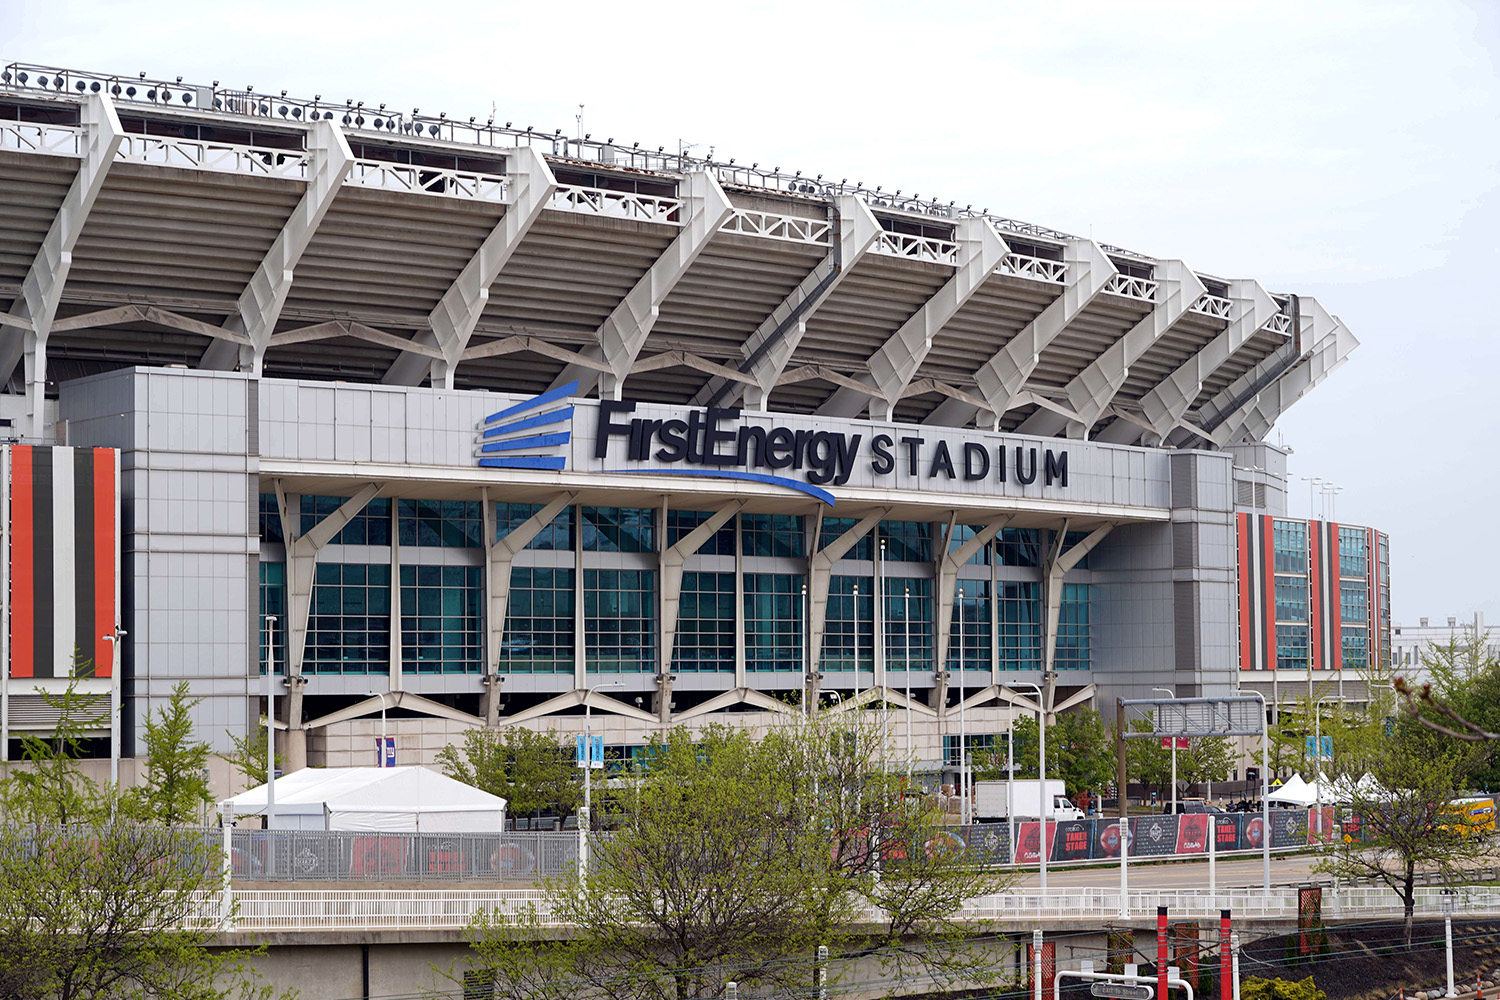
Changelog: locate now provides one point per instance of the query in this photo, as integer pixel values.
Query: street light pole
(906, 629)
(1318, 756)
(963, 732)
(114, 709)
(1172, 694)
(1265, 793)
(586, 819)
(1041, 770)
(271, 621)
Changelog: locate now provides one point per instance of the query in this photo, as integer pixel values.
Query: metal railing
(224, 157)
(445, 181)
(35, 137)
(346, 856)
(1213, 305)
(616, 204)
(908, 247)
(787, 228)
(1143, 289)
(1020, 266)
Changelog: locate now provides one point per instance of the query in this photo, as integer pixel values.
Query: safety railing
(924, 248)
(1142, 289)
(1213, 305)
(291, 164)
(1280, 323)
(452, 183)
(349, 856)
(34, 137)
(787, 228)
(616, 204)
(1021, 266)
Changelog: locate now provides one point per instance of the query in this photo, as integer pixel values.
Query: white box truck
(991, 800)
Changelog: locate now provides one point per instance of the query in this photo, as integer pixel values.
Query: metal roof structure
(162, 223)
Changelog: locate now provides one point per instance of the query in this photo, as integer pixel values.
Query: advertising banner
(1227, 830)
(1153, 836)
(1072, 840)
(1192, 833)
(1288, 828)
(1106, 838)
(1253, 832)
(1028, 842)
(987, 843)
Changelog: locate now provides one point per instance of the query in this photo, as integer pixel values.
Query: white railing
(225, 157)
(444, 181)
(1213, 305)
(34, 137)
(923, 248)
(1280, 323)
(616, 204)
(1020, 266)
(788, 228)
(1143, 289)
(433, 909)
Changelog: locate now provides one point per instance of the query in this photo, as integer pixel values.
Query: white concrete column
(673, 558)
(1058, 563)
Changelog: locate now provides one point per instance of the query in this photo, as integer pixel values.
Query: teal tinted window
(371, 526)
(273, 602)
(834, 528)
(1291, 647)
(850, 624)
(556, 536)
(969, 640)
(618, 529)
(441, 619)
(681, 523)
(1354, 601)
(1073, 628)
(270, 519)
(1356, 648)
(705, 623)
(348, 631)
(1354, 552)
(1289, 539)
(961, 534)
(1020, 615)
(977, 743)
(1019, 547)
(449, 524)
(772, 535)
(538, 622)
(619, 609)
(1291, 598)
(908, 623)
(773, 621)
(907, 541)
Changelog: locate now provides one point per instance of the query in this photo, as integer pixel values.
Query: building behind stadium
(458, 424)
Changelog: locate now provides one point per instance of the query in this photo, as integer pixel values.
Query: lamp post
(585, 819)
(1446, 900)
(1265, 792)
(1172, 694)
(906, 630)
(963, 731)
(1311, 482)
(1041, 770)
(114, 709)
(270, 721)
(1318, 755)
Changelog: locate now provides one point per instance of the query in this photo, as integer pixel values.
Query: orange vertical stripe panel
(104, 559)
(22, 582)
(1247, 658)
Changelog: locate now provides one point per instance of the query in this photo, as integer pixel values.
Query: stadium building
(459, 424)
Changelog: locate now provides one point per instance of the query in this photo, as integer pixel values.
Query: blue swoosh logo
(752, 477)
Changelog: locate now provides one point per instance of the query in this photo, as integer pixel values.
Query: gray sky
(1346, 150)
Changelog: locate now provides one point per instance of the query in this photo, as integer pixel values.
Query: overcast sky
(1347, 151)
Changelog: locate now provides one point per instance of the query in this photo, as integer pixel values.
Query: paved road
(1231, 874)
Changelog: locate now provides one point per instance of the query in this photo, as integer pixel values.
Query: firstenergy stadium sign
(723, 443)
(823, 457)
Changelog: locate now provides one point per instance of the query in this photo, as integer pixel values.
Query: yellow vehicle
(1473, 816)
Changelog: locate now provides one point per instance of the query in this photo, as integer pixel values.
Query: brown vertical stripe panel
(42, 556)
(105, 544)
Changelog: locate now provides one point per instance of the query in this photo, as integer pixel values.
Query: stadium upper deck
(167, 223)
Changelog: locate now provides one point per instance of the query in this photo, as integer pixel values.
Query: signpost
(1122, 991)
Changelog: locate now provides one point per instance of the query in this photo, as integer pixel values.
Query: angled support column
(624, 332)
(450, 325)
(259, 305)
(301, 567)
(1166, 404)
(948, 565)
(1093, 389)
(820, 578)
(28, 323)
(1059, 562)
(769, 349)
(1001, 378)
(895, 364)
(673, 558)
(1253, 420)
(501, 556)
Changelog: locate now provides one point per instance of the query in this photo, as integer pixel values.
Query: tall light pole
(963, 731)
(1311, 481)
(1172, 694)
(1041, 771)
(855, 697)
(1265, 792)
(271, 721)
(586, 818)
(1318, 754)
(906, 629)
(114, 708)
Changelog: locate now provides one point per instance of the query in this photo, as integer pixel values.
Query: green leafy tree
(989, 765)
(1255, 988)
(1081, 751)
(530, 770)
(1147, 761)
(249, 755)
(47, 786)
(735, 860)
(1462, 701)
(112, 911)
(1208, 758)
(176, 785)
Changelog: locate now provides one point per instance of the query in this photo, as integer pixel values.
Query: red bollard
(1226, 972)
(1161, 951)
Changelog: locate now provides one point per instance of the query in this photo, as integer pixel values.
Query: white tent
(375, 798)
(1295, 792)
